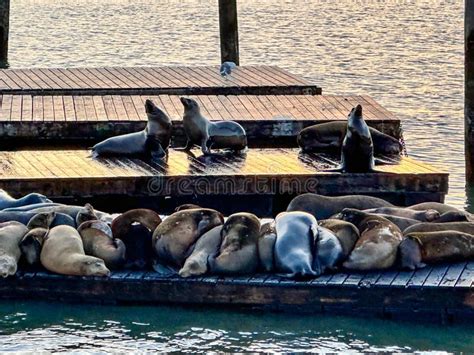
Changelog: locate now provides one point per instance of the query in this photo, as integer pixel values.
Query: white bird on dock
(226, 68)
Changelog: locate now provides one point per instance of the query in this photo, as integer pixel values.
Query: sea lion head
(190, 105)
(307, 139)
(86, 213)
(41, 220)
(159, 119)
(351, 215)
(91, 266)
(240, 229)
(8, 265)
(431, 215)
(356, 123)
(205, 218)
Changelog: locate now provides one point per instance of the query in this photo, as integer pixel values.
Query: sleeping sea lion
(378, 244)
(266, 245)
(152, 142)
(32, 242)
(210, 135)
(428, 215)
(330, 135)
(346, 232)
(440, 207)
(135, 229)
(328, 252)
(238, 254)
(464, 227)
(6, 201)
(296, 233)
(63, 253)
(10, 236)
(206, 246)
(421, 248)
(323, 207)
(98, 241)
(87, 213)
(174, 238)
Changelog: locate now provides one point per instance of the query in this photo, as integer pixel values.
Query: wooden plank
(452, 274)
(467, 276)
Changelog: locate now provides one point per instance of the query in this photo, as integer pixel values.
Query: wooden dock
(196, 80)
(269, 120)
(444, 293)
(265, 179)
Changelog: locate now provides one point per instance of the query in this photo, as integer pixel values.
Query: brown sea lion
(378, 244)
(330, 135)
(207, 246)
(98, 241)
(421, 248)
(464, 227)
(400, 222)
(186, 206)
(266, 245)
(419, 215)
(10, 235)
(238, 253)
(346, 232)
(86, 213)
(32, 242)
(323, 207)
(63, 253)
(455, 216)
(174, 237)
(440, 207)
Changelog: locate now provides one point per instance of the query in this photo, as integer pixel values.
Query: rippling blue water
(408, 55)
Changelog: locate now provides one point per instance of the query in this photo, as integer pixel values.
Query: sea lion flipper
(164, 270)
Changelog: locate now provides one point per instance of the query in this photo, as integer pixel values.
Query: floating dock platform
(442, 293)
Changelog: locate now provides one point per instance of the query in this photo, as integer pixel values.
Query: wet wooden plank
(467, 276)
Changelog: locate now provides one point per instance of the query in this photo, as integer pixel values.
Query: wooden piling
(469, 89)
(229, 32)
(4, 28)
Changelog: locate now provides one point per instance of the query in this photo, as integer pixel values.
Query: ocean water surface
(408, 55)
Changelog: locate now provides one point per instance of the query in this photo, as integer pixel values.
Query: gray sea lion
(32, 242)
(440, 207)
(210, 135)
(328, 252)
(25, 217)
(10, 253)
(421, 248)
(330, 135)
(174, 238)
(400, 222)
(266, 245)
(464, 227)
(346, 232)
(455, 216)
(98, 241)
(378, 244)
(63, 253)
(151, 142)
(7, 201)
(357, 153)
(238, 254)
(323, 207)
(135, 228)
(429, 215)
(296, 232)
(206, 246)
(87, 213)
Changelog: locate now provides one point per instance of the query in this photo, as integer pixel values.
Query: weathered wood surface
(268, 119)
(390, 294)
(266, 175)
(204, 80)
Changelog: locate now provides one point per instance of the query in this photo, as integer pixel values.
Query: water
(408, 55)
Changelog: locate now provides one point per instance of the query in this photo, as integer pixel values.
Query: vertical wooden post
(4, 26)
(469, 89)
(229, 31)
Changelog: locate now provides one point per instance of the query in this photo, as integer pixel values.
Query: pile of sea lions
(316, 235)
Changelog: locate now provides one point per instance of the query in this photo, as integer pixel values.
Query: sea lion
(428, 215)
(266, 245)
(455, 216)
(32, 242)
(440, 207)
(357, 153)
(7, 201)
(210, 135)
(174, 238)
(152, 142)
(346, 232)
(63, 253)
(328, 252)
(98, 241)
(135, 228)
(10, 253)
(87, 213)
(330, 135)
(238, 254)
(464, 227)
(206, 246)
(323, 207)
(400, 222)
(186, 206)
(378, 244)
(25, 217)
(421, 248)
(296, 232)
